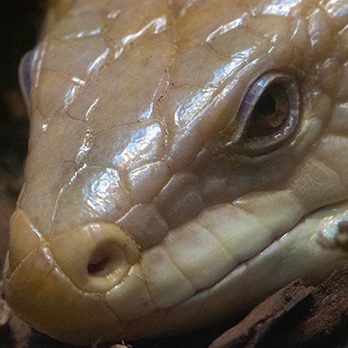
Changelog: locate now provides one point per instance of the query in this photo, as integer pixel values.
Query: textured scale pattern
(122, 145)
(132, 110)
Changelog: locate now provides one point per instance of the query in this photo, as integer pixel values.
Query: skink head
(182, 153)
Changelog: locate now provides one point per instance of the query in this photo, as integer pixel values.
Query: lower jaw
(298, 254)
(295, 255)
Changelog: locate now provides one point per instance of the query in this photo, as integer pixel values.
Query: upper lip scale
(278, 237)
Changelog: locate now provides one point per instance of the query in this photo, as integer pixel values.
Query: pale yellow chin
(93, 282)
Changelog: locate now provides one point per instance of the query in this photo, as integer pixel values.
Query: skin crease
(140, 216)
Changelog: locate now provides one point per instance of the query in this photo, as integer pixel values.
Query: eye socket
(269, 113)
(25, 74)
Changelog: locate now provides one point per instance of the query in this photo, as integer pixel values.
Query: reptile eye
(25, 74)
(269, 113)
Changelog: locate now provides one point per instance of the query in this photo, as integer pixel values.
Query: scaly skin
(139, 216)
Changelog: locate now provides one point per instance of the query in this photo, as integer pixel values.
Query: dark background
(19, 24)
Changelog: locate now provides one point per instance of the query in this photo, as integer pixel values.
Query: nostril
(106, 259)
(95, 257)
(100, 266)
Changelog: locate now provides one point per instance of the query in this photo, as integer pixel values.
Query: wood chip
(317, 316)
(257, 324)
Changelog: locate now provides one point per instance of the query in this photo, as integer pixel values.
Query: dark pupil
(270, 112)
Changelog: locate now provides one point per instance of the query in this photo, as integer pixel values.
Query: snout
(95, 257)
(59, 285)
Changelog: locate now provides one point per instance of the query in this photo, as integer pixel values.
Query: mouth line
(262, 250)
